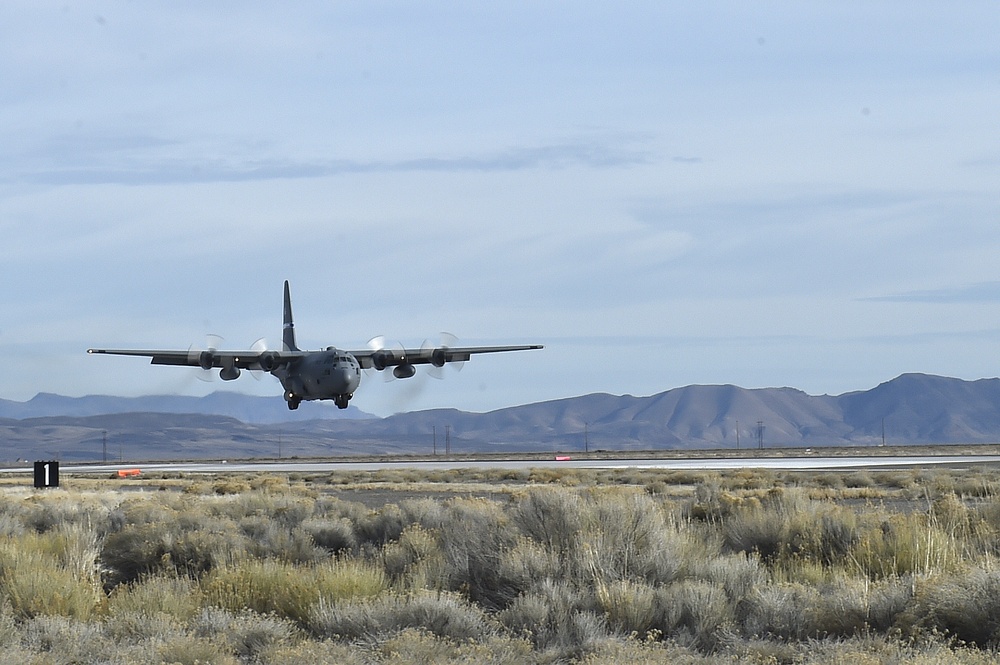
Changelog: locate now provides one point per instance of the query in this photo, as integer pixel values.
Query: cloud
(117, 163)
(982, 292)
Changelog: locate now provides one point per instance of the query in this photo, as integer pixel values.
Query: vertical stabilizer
(288, 327)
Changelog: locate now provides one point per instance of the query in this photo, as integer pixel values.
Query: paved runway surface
(781, 463)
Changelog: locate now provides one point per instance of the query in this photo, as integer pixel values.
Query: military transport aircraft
(309, 375)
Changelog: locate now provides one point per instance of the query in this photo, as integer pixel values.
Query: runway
(810, 463)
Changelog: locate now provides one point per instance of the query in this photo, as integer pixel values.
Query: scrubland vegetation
(512, 567)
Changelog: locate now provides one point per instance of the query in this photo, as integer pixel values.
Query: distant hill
(247, 408)
(912, 408)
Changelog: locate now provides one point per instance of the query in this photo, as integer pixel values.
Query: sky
(663, 194)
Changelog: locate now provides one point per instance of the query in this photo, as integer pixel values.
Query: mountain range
(910, 409)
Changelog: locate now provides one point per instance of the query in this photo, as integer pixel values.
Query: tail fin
(288, 329)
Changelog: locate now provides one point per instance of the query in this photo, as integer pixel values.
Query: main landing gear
(294, 400)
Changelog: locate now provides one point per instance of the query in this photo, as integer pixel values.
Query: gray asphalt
(780, 463)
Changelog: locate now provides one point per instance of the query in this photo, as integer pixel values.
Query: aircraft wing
(389, 357)
(209, 358)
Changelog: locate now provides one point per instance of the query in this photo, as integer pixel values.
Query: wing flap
(427, 356)
(240, 359)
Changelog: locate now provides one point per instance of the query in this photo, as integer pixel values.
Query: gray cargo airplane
(309, 375)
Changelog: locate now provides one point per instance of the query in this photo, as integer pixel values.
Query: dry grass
(499, 567)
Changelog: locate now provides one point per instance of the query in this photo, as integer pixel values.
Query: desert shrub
(168, 547)
(551, 517)
(737, 575)
(61, 639)
(474, 536)
(268, 539)
(695, 613)
(966, 606)
(975, 485)
(151, 607)
(415, 545)
(951, 515)
(844, 608)
(873, 650)
(427, 513)
(289, 511)
(332, 534)
(415, 646)
(8, 626)
(710, 503)
(442, 614)
(246, 635)
(839, 532)
(319, 653)
(36, 587)
(938, 482)
(230, 485)
(629, 606)
(73, 546)
(826, 480)
(380, 526)
(750, 479)
(628, 537)
(167, 534)
(50, 574)
(192, 650)
(528, 562)
(336, 508)
(283, 508)
(851, 606)
(555, 616)
(903, 480)
(288, 590)
(756, 530)
(657, 488)
(777, 611)
(788, 523)
(10, 525)
(906, 544)
(860, 479)
(43, 513)
(549, 476)
(686, 477)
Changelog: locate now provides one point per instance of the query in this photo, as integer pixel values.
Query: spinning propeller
(439, 355)
(205, 356)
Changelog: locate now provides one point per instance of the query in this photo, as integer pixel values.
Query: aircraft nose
(345, 378)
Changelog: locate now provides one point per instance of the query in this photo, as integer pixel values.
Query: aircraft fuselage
(329, 374)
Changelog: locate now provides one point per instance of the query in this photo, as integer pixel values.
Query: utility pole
(737, 434)
(760, 434)
(447, 439)
(434, 428)
(586, 437)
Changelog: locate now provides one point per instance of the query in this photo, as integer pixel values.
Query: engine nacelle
(404, 371)
(383, 359)
(229, 373)
(438, 357)
(206, 359)
(269, 360)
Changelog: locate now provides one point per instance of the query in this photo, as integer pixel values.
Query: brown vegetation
(544, 566)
